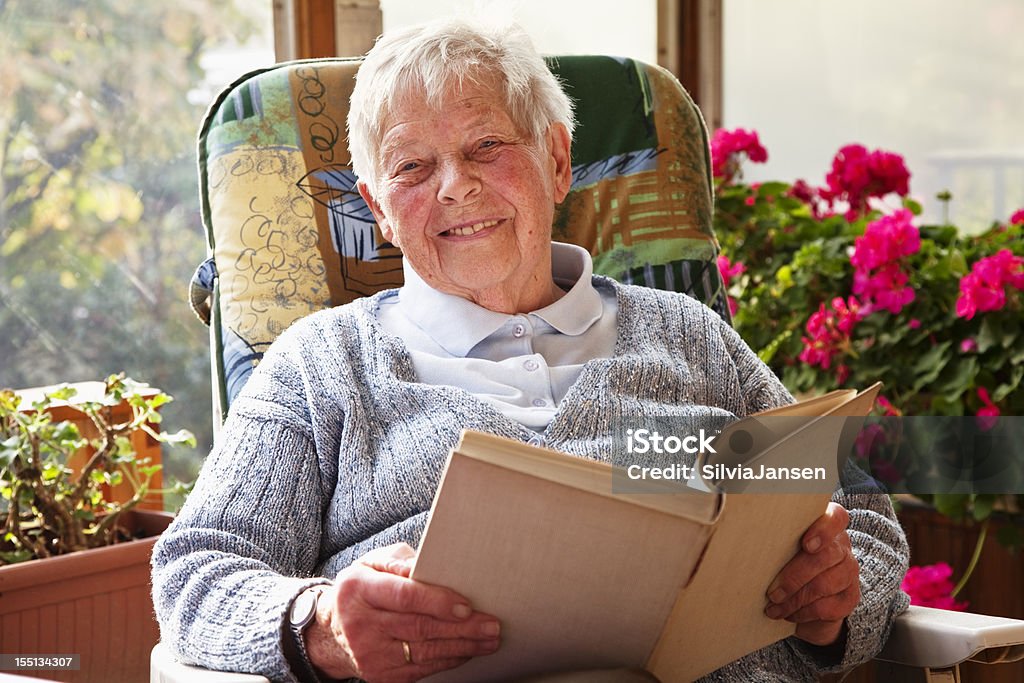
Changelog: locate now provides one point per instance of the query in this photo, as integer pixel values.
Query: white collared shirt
(521, 364)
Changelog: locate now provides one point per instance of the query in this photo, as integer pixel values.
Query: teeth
(472, 229)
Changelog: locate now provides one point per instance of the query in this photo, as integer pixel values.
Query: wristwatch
(300, 615)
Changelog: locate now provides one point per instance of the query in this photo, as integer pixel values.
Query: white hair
(433, 60)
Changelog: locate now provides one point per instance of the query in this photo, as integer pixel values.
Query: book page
(587, 475)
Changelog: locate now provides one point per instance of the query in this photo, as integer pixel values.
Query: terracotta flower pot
(94, 603)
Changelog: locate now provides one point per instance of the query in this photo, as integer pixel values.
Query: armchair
(289, 235)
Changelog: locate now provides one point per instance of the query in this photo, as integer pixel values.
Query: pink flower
(869, 438)
(968, 345)
(914, 323)
(984, 288)
(886, 239)
(988, 414)
(829, 331)
(930, 586)
(730, 271)
(728, 147)
(878, 254)
(887, 408)
(812, 197)
(1017, 218)
(858, 174)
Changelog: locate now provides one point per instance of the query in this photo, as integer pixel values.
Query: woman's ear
(560, 145)
(378, 214)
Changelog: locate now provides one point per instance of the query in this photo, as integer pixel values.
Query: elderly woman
(292, 556)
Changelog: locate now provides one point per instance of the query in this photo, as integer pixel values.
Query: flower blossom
(887, 408)
(930, 586)
(879, 276)
(988, 414)
(829, 331)
(812, 197)
(727, 146)
(1017, 218)
(858, 175)
(984, 288)
(729, 271)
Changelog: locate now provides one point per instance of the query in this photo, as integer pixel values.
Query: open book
(585, 578)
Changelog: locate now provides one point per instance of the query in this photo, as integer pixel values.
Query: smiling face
(469, 198)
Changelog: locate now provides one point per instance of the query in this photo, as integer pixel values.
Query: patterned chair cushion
(288, 234)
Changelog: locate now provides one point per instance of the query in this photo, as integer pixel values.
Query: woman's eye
(408, 166)
(488, 144)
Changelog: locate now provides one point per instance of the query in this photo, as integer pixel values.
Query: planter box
(94, 603)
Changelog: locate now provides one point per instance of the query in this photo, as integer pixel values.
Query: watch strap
(294, 644)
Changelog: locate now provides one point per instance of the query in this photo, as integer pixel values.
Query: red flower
(1017, 218)
(829, 333)
(858, 174)
(729, 271)
(930, 586)
(877, 257)
(984, 288)
(886, 406)
(812, 197)
(728, 148)
(988, 414)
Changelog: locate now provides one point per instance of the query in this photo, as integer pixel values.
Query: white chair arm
(936, 638)
(164, 668)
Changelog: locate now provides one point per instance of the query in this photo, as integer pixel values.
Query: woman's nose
(459, 181)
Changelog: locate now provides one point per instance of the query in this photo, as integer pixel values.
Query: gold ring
(406, 651)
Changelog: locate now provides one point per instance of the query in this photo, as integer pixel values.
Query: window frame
(689, 35)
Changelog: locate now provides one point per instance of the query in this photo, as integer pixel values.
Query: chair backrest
(288, 234)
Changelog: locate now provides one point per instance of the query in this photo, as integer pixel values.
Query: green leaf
(63, 393)
(983, 506)
(180, 437)
(914, 206)
(930, 365)
(952, 505)
(15, 556)
(991, 333)
(953, 384)
(52, 471)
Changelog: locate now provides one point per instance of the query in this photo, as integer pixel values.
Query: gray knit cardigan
(333, 448)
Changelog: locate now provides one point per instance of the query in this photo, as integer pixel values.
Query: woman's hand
(377, 624)
(820, 586)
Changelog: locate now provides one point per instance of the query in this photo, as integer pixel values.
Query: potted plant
(842, 283)
(75, 543)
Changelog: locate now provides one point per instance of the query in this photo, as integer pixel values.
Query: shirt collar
(457, 324)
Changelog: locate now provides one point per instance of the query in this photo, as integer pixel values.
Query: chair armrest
(164, 668)
(936, 638)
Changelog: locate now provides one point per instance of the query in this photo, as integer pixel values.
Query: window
(99, 211)
(941, 83)
(624, 29)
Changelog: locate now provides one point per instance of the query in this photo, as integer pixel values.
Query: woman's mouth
(469, 229)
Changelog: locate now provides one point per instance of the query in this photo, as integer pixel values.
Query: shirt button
(536, 441)
(539, 402)
(518, 330)
(531, 365)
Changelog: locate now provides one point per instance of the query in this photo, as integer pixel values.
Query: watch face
(304, 607)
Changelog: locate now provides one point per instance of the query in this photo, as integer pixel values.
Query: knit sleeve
(761, 388)
(881, 550)
(247, 539)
